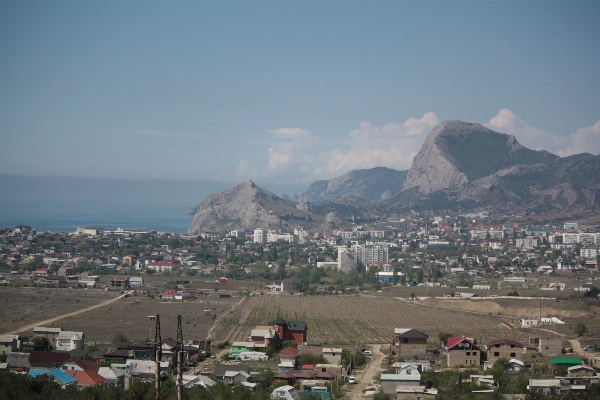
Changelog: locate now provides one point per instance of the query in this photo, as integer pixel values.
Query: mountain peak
(457, 152)
(246, 206)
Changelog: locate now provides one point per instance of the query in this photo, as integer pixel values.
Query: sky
(285, 92)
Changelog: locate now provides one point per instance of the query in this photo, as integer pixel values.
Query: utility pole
(179, 359)
(157, 355)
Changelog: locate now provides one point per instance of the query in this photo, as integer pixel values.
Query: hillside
(457, 152)
(539, 188)
(367, 184)
(247, 206)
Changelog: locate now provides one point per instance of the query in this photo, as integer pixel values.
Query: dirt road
(367, 376)
(58, 318)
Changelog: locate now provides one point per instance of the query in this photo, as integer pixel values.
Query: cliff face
(457, 152)
(367, 184)
(246, 206)
(237, 207)
(432, 169)
(540, 188)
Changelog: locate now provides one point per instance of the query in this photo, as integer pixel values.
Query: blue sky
(285, 92)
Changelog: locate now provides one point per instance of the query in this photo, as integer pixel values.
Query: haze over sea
(61, 204)
(66, 216)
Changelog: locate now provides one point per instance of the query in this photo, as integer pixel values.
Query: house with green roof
(294, 331)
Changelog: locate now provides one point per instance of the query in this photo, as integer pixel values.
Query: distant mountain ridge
(460, 167)
(367, 184)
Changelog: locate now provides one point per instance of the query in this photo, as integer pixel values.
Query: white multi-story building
(586, 237)
(479, 234)
(528, 242)
(240, 234)
(589, 252)
(344, 234)
(346, 259)
(569, 238)
(260, 235)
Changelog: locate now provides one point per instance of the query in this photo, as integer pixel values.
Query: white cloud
(294, 153)
(583, 140)
(393, 146)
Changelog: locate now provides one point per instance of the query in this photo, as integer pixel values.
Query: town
(429, 307)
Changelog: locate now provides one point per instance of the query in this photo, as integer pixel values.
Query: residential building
(47, 359)
(389, 382)
(68, 340)
(295, 331)
(115, 376)
(504, 348)
(410, 342)
(346, 260)
(333, 356)
(222, 371)
(9, 344)
(550, 346)
(260, 236)
(285, 393)
(239, 233)
(18, 362)
(60, 377)
(87, 378)
(291, 285)
(463, 351)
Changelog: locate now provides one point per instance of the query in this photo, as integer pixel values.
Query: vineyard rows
(346, 320)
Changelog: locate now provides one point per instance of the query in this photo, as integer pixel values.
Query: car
(589, 347)
(367, 352)
(352, 380)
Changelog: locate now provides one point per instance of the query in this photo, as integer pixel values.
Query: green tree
(443, 337)
(580, 329)
(119, 340)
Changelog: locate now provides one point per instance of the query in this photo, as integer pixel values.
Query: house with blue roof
(59, 376)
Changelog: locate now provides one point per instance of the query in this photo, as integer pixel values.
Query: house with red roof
(87, 378)
(289, 354)
(463, 351)
(47, 359)
(78, 364)
(169, 294)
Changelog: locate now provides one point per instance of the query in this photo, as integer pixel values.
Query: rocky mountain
(352, 208)
(460, 168)
(367, 184)
(247, 206)
(457, 152)
(539, 188)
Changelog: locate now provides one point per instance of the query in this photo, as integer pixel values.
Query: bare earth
(49, 321)
(367, 376)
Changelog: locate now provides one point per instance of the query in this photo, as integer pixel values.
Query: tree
(119, 339)
(580, 329)
(443, 337)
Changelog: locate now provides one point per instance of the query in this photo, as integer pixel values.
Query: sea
(66, 216)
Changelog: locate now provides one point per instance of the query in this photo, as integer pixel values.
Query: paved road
(28, 328)
(367, 376)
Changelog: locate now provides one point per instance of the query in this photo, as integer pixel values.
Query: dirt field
(344, 320)
(333, 320)
(122, 316)
(24, 306)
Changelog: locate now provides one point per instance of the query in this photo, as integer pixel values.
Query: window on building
(496, 354)
(513, 354)
(405, 340)
(474, 353)
(468, 353)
